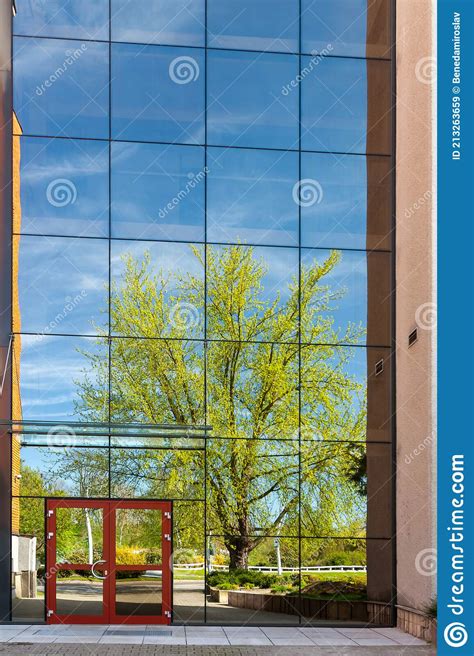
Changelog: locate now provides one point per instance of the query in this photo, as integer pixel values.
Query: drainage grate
(137, 632)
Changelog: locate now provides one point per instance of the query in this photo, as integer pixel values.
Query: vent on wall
(378, 367)
(412, 337)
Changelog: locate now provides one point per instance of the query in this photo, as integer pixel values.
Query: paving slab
(58, 649)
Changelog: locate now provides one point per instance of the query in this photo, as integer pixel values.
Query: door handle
(94, 573)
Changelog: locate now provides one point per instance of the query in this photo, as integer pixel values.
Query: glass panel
(64, 186)
(157, 94)
(253, 110)
(171, 22)
(252, 293)
(62, 436)
(254, 485)
(158, 290)
(157, 474)
(79, 535)
(252, 390)
(159, 381)
(61, 87)
(346, 297)
(346, 106)
(334, 489)
(180, 440)
(357, 28)
(158, 192)
(138, 593)
(249, 25)
(348, 203)
(188, 562)
(60, 378)
(138, 538)
(28, 554)
(334, 580)
(342, 396)
(78, 592)
(250, 197)
(79, 19)
(265, 591)
(340, 575)
(62, 285)
(65, 472)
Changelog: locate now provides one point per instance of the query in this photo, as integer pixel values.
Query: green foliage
(346, 558)
(249, 579)
(256, 484)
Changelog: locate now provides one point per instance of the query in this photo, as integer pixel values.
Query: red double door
(108, 562)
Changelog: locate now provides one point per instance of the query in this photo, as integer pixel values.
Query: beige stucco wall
(416, 178)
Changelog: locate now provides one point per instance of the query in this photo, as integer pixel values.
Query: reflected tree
(256, 367)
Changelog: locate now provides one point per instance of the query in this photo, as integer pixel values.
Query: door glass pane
(138, 542)
(27, 548)
(138, 593)
(138, 537)
(78, 592)
(79, 535)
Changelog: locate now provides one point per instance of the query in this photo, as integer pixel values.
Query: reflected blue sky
(170, 22)
(61, 87)
(249, 197)
(334, 106)
(50, 369)
(79, 19)
(158, 192)
(343, 24)
(338, 218)
(62, 284)
(147, 103)
(253, 25)
(245, 103)
(64, 187)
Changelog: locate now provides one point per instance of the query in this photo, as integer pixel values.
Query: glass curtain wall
(203, 237)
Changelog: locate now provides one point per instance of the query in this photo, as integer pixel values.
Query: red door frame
(109, 508)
